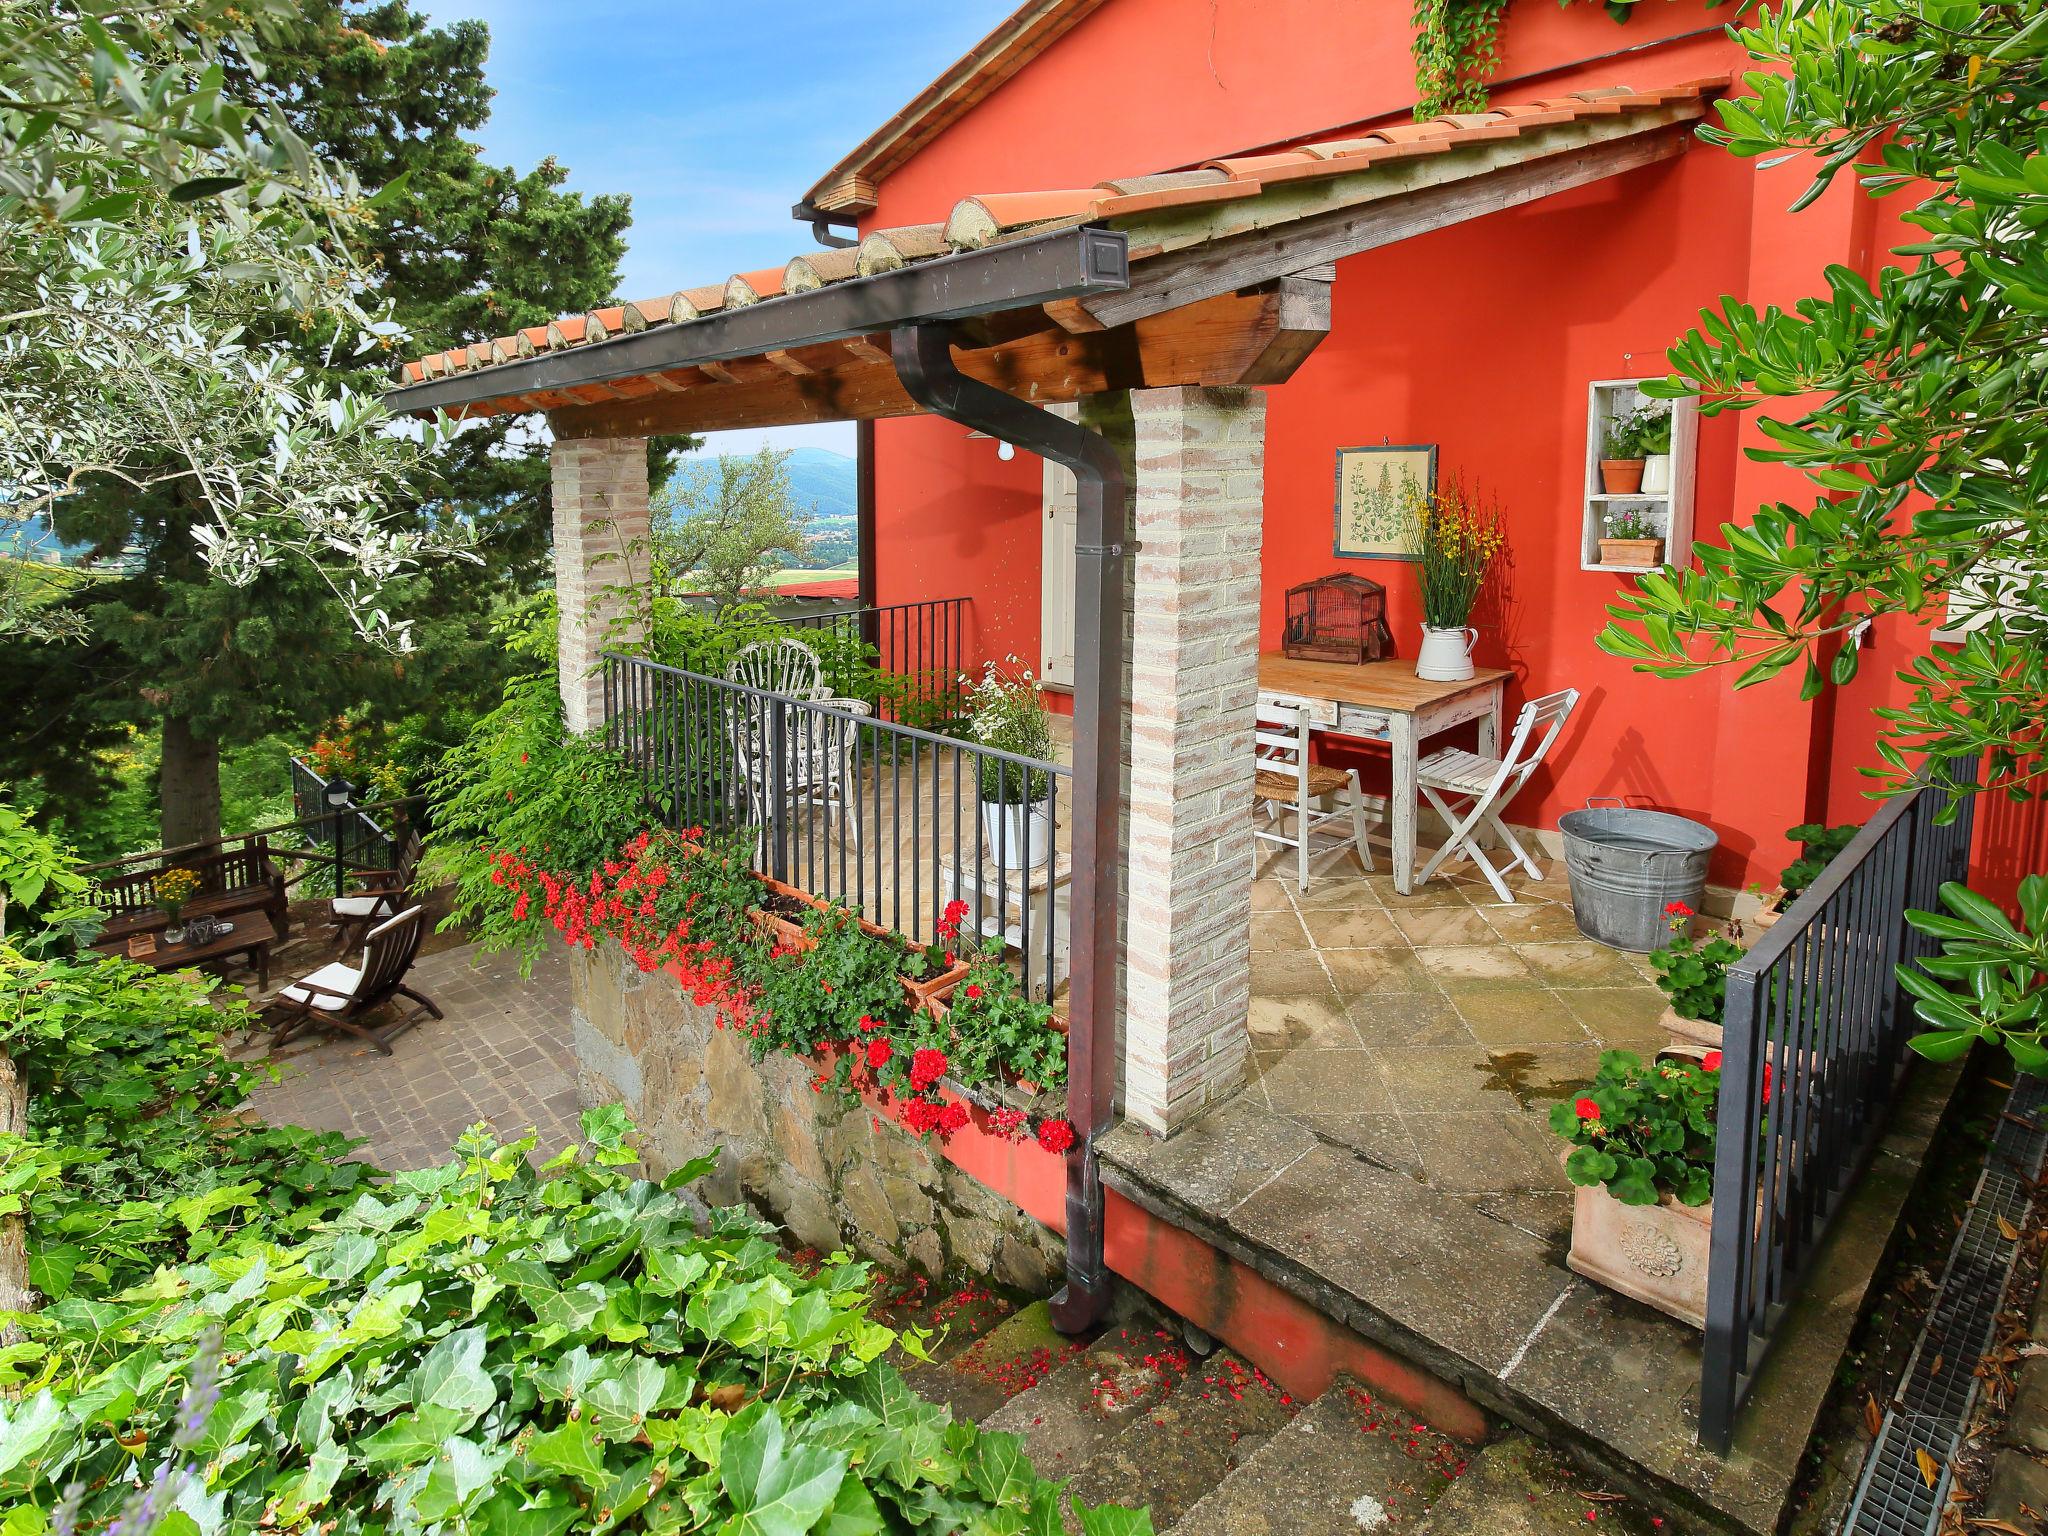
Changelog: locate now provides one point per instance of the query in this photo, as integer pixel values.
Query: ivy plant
(508, 1350)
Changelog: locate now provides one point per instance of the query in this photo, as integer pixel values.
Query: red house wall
(1480, 338)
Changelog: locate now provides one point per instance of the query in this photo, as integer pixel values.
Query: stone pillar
(600, 498)
(1197, 491)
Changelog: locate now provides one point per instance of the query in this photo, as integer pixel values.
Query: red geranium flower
(878, 1053)
(1711, 1061)
(1677, 909)
(1055, 1135)
(927, 1067)
(973, 990)
(952, 1118)
(869, 1025)
(1586, 1109)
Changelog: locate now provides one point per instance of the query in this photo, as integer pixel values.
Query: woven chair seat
(1284, 787)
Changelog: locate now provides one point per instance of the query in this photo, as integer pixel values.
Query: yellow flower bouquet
(172, 889)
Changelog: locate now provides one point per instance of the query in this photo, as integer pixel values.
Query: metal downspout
(924, 362)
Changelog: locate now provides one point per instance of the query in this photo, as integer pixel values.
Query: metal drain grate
(1933, 1401)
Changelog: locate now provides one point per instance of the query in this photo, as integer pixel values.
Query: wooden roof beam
(1239, 259)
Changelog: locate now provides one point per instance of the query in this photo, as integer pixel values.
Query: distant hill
(824, 483)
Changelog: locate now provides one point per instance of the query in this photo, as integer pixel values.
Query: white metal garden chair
(1486, 784)
(784, 666)
(819, 759)
(1286, 781)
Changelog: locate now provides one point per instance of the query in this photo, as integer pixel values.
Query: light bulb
(1006, 451)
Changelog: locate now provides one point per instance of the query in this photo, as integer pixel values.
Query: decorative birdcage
(1338, 618)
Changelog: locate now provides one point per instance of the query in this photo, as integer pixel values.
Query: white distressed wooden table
(1386, 701)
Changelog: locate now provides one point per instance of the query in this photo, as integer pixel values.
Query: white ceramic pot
(1015, 835)
(1446, 654)
(1657, 474)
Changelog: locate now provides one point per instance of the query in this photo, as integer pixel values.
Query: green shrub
(494, 1348)
(135, 1156)
(1820, 844)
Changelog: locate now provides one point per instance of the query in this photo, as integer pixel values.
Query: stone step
(953, 1316)
(1174, 1451)
(1491, 1310)
(1517, 1487)
(1011, 1358)
(1346, 1464)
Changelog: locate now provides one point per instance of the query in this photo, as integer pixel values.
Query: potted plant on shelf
(1006, 712)
(1819, 844)
(1632, 539)
(1653, 437)
(170, 891)
(1642, 1166)
(1622, 453)
(1457, 535)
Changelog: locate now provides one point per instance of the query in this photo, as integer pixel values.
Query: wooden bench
(231, 881)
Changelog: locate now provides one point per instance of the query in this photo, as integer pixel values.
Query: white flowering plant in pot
(1006, 713)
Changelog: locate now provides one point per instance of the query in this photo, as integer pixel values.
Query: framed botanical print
(1373, 489)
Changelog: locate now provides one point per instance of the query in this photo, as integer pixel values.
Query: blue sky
(715, 118)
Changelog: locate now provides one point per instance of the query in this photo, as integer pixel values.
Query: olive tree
(161, 244)
(1916, 407)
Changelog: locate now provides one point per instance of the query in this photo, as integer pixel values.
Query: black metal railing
(917, 648)
(1813, 1045)
(894, 821)
(355, 839)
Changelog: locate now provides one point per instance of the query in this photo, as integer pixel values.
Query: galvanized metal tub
(1627, 866)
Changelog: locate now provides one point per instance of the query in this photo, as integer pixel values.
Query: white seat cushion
(1453, 768)
(332, 981)
(361, 906)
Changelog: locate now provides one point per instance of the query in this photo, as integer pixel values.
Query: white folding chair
(1286, 781)
(784, 666)
(818, 750)
(1485, 784)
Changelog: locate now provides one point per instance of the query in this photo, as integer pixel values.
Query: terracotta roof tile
(975, 221)
(987, 218)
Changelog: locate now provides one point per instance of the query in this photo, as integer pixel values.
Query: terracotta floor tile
(1578, 963)
(1311, 1020)
(1615, 1012)
(1506, 1017)
(1531, 922)
(1330, 892)
(1327, 1082)
(1278, 930)
(1396, 1020)
(1471, 966)
(1394, 968)
(1350, 927)
(1444, 926)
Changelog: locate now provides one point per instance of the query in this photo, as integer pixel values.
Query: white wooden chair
(1486, 784)
(818, 768)
(784, 666)
(1286, 781)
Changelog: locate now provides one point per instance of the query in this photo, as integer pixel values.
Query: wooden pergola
(1161, 301)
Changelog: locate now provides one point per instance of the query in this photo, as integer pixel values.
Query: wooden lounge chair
(341, 996)
(372, 895)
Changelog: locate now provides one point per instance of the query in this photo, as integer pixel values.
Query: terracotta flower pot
(1703, 1033)
(1655, 1253)
(1631, 551)
(1621, 477)
(927, 994)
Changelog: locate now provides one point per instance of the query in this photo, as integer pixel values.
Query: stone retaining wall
(833, 1175)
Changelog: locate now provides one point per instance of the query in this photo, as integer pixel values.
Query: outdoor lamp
(340, 794)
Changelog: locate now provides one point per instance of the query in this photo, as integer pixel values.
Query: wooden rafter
(1255, 337)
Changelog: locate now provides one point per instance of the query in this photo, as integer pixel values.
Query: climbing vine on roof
(1457, 50)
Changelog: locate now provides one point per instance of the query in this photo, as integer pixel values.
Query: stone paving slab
(502, 1056)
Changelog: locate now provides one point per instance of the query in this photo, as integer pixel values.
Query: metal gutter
(821, 223)
(924, 362)
(1017, 274)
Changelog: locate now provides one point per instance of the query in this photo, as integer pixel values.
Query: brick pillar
(1196, 460)
(600, 498)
